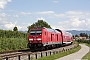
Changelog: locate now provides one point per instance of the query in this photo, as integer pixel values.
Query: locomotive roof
(67, 33)
(52, 30)
(48, 29)
(64, 32)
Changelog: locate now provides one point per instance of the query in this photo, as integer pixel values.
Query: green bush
(12, 40)
(83, 41)
(12, 44)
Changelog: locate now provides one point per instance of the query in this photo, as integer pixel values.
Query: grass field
(53, 57)
(87, 56)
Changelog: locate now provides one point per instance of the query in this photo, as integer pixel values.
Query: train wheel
(42, 48)
(46, 48)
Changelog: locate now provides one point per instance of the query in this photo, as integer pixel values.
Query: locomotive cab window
(35, 32)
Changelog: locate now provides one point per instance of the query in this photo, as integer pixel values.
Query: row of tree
(83, 35)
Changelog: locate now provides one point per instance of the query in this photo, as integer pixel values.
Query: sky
(61, 14)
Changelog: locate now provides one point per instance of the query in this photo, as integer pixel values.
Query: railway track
(27, 54)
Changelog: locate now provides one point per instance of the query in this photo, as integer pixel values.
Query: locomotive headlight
(39, 39)
(30, 39)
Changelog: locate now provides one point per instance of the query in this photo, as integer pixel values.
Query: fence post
(6, 58)
(18, 57)
(46, 53)
(66, 49)
(28, 56)
(36, 55)
(50, 52)
(41, 54)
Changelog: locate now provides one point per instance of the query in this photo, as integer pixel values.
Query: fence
(29, 56)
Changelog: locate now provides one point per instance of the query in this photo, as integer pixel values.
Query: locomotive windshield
(35, 32)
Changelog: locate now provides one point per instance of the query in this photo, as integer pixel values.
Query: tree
(76, 35)
(39, 23)
(89, 36)
(84, 35)
(15, 29)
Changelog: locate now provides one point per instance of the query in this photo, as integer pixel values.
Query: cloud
(41, 18)
(74, 12)
(68, 14)
(9, 25)
(23, 27)
(15, 16)
(71, 14)
(69, 20)
(3, 15)
(24, 13)
(3, 3)
(46, 12)
(73, 20)
(55, 1)
(4, 24)
(57, 27)
(59, 15)
(74, 24)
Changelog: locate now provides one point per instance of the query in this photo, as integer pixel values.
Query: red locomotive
(48, 38)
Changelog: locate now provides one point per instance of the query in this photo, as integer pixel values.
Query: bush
(12, 44)
(83, 41)
(12, 40)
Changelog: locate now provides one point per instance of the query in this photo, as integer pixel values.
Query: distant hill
(74, 32)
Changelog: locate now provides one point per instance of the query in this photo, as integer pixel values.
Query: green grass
(53, 57)
(87, 56)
